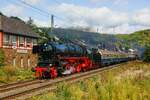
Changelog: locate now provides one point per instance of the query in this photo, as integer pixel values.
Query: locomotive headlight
(50, 65)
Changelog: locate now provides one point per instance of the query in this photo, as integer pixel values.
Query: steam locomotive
(57, 58)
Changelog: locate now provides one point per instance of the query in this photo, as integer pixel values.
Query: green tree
(1, 13)
(2, 57)
(16, 18)
(30, 21)
(147, 54)
(147, 47)
(44, 33)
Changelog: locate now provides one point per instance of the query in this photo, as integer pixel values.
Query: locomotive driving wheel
(53, 72)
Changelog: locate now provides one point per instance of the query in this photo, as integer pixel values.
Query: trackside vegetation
(2, 57)
(147, 54)
(128, 82)
(11, 74)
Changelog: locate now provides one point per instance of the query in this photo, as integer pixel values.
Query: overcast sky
(109, 16)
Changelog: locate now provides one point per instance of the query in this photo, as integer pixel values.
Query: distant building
(17, 40)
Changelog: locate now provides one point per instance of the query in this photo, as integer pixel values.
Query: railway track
(15, 85)
(27, 89)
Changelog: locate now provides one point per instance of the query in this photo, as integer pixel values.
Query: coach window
(21, 41)
(28, 41)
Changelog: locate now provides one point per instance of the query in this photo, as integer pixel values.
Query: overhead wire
(33, 7)
(43, 11)
(40, 11)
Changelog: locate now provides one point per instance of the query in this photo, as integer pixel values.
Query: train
(61, 58)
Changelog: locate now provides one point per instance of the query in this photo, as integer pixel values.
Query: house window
(34, 41)
(6, 40)
(28, 41)
(21, 41)
(14, 41)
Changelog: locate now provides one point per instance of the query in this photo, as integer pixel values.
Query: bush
(68, 92)
(10, 71)
(23, 74)
(12, 74)
(147, 54)
(2, 57)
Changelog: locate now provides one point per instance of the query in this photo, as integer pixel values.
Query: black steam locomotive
(57, 58)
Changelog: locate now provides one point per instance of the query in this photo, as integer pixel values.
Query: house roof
(16, 26)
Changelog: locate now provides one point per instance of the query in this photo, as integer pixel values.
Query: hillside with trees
(92, 39)
(141, 38)
(137, 40)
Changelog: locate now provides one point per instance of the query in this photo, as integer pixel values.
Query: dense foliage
(133, 40)
(90, 38)
(139, 38)
(43, 32)
(147, 54)
(1, 13)
(2, 57)
(12, 74)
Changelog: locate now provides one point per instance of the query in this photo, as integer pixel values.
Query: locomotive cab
(96, 56)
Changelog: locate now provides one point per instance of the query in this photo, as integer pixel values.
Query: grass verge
(131, 81)
(11, 74)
